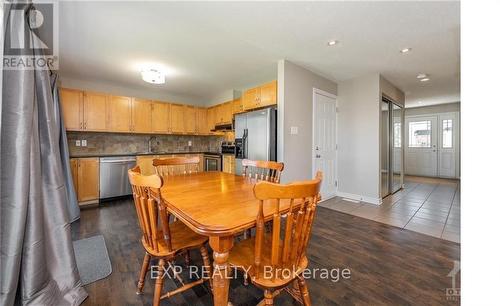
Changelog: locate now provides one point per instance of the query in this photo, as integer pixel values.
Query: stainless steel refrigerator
(255, 136)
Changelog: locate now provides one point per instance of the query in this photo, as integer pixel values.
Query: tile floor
(427, 205)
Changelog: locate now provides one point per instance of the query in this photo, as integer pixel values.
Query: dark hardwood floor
(388, 265)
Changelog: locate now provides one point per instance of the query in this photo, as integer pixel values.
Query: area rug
(92, 259)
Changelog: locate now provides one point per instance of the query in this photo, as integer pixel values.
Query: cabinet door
(141, 116)
(94, 111)
(177, 118)
(226, 167)
(190, 119)
(250, 98)
(218, 114)
(268, 93)
(201, 121)
(74, 172)
(119, 114)
(88, 179)
(72, 104)
(211, 118)
(227, 112)
(160, 117)
(237, 106)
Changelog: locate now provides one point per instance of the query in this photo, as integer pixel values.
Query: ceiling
(210, 48)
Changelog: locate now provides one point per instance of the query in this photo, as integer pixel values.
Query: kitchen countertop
(82, 155)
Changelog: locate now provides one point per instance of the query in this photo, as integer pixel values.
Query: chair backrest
(147, 200)
(176, 165)
(262, 170)
(286, 252)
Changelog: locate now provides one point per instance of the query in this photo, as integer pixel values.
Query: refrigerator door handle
(245, 138)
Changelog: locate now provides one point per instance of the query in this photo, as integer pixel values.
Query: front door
(324, 142)
(421, 146)
(448, 144)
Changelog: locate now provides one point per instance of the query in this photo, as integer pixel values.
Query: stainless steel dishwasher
(113, 176)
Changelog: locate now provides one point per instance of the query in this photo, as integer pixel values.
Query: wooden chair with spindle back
(160, 238)
(275, 260)
(177, 166)
(262, 170)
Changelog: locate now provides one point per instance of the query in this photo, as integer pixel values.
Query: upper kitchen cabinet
(224, 113)
(160, 117)
(211, 118)
(94, 111)
(190, 119)
(261, 96)
(238, 106)
(177, 118)
(72, 105)
(201, 121)
(141, 116)
(119, 114)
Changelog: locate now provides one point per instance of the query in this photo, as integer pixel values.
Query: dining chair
(177, 166)
(278, 259)
(262, 170)
(161, 239)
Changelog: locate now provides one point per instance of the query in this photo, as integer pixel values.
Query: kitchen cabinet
(85, 173)
(119, 114)
(264, 95)
(251, 98)
(190, 119)
(160, 117)
(238, 106)
(94, 111)
(228, 163)
(177, 118)
(72, 103)
(141, 116)
(211, 115)
(145, 162)
(201, 121)
(224, 113)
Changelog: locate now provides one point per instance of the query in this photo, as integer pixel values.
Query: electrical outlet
(190, 143)
(77, 143)
(294, 130)
(84, 142)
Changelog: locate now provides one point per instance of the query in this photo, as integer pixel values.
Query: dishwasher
(113, 176)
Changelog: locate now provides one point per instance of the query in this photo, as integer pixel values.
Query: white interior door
(324, 141)
(421, 146)
(448, 145)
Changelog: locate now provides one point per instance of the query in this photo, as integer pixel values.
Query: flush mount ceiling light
(421, 76)
(424, 80)
(405, 50)
(153, 76)
(332, 43)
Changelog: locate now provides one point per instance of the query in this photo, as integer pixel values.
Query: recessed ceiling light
(419, 102)
(332, 42)
(424, 80)
(405, 50)
(153, 76)
(421, 76)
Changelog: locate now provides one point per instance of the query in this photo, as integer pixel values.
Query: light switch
(84, 142)
(77, 143)
(294, 130)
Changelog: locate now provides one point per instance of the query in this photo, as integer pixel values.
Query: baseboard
(371, 200)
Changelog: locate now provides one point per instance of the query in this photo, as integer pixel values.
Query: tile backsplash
(111, 143)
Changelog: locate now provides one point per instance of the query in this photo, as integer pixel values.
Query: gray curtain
(37, 259)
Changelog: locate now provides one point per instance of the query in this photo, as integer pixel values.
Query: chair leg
(304, 291)
(142, 275)
(268, 297)
(206, 264)
(187, 258)
(159, 283)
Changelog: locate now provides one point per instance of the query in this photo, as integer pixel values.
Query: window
(397, 134)
(447, 133)
(419, 134)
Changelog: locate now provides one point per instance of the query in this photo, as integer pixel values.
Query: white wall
(358, 138)
(295, 108)
(144, 93)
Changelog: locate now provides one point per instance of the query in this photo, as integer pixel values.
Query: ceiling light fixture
(332, 42)
(421, 76)
(405, 50)
(153, 76)
(424, 80)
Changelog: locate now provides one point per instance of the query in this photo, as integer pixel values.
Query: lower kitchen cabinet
(85, 173)
(145, 162)
(228, 164)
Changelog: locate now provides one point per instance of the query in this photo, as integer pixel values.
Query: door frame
(313, 153)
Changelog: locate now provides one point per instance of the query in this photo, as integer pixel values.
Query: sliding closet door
(397, 148)
(385, 144)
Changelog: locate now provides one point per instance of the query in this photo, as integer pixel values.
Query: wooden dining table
(218, 205)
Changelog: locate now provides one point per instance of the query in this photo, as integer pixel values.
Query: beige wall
(433, 109)
(358, 138)
(391, 91)
(295, 108)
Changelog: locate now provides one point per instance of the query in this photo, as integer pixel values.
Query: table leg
(221, 274)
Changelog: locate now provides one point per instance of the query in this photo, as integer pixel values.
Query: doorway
(432, 145)
(324, 155)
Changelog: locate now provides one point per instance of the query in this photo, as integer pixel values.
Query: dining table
(218, 205)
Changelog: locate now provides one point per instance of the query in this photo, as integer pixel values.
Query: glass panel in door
(397, 151)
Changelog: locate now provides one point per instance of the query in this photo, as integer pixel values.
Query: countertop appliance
(113, 176)
(255, 136)
(212, 162)
(227, 147)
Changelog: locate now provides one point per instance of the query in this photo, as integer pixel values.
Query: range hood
(227, 127)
